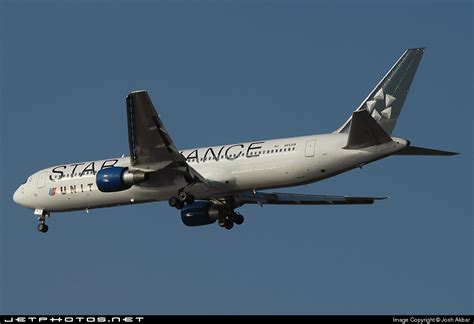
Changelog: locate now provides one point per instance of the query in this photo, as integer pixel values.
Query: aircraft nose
(17, 195)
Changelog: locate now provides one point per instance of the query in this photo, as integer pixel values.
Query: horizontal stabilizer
(365, 131)
(413, 150)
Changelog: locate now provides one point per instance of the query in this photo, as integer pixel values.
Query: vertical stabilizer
(385, 102)
(365, 132)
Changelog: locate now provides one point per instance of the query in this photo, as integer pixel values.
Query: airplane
(208, 184)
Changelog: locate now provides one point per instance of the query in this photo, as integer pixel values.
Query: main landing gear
(229, 221)
(42, 215)
(206, 212)
(183, 198)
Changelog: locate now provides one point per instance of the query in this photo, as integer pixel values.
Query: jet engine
(203, 213)
(117, 179)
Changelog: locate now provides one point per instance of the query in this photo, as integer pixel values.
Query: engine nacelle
(202, 213)
(117, 179)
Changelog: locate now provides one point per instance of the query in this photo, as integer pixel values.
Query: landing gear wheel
(229, 224)
(186, 197)
(173, 201)
(43, 228)
(183, 195)
(189, 199)
(222, 222)
(180, 205)
(238, 219)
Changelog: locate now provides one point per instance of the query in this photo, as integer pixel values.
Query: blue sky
(226, 72)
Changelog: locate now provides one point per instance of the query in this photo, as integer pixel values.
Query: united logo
(52, 191)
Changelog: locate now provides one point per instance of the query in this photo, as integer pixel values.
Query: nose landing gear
(42, 215)
(42, 227)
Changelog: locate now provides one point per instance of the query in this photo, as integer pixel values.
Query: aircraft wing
(151, 147)
(301, 199)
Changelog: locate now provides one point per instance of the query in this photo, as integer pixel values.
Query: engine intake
(203, 213)
(118, 179)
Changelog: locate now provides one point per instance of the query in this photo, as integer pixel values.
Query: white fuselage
(230, 168)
